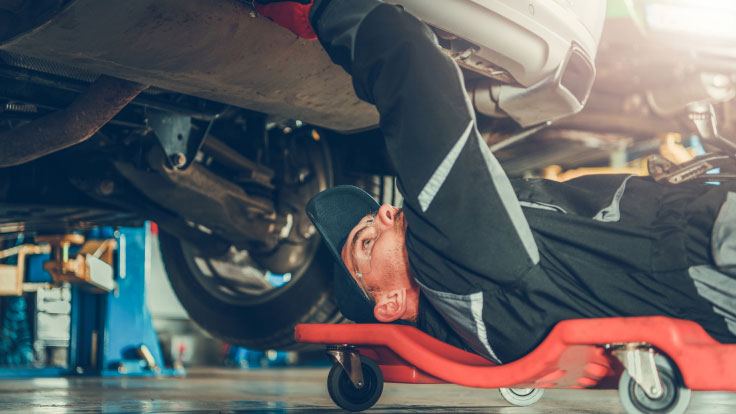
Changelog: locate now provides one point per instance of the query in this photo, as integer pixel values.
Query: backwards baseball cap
(335, 212)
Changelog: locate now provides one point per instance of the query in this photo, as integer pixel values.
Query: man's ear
(390, 306)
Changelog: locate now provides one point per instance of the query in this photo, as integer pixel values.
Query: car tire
(267, 323)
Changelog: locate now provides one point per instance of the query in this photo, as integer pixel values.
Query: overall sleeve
(459, 204)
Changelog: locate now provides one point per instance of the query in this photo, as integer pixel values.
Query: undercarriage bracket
(178, 139)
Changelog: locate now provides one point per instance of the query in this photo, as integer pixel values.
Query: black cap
(335, 212)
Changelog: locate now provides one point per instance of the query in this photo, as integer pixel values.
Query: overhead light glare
(715, 19)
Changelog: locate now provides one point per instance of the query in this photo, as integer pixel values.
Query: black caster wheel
(675, 396)
(521, 397)
(346, 395)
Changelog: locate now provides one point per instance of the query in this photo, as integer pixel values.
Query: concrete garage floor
(294, 390)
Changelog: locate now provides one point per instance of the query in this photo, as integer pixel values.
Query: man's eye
(367, 244)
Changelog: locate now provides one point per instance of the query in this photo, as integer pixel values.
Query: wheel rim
(522, 392)
(236, 277)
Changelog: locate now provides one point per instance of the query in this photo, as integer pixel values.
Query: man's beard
(400, 221)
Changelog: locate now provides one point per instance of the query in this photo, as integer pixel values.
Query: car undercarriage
(219, 126)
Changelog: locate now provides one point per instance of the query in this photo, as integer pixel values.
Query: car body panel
(223, 51)
(218, 50)
(528, 39)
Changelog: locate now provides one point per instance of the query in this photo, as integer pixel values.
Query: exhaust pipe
(83, 118)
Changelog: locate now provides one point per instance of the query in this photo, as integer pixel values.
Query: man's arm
(458, 201)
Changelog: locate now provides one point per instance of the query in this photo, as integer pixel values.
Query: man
(485, 263)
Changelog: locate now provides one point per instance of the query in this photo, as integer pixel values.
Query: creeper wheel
(346, 395)
(521, 397)
(674, 399)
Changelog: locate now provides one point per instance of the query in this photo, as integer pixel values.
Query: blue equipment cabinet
(118, 339)
(112, 333)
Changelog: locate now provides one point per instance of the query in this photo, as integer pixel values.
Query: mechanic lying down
(490, 264)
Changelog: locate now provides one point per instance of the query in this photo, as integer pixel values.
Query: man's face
(374, 250)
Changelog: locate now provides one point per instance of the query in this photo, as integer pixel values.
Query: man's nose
(387, 214)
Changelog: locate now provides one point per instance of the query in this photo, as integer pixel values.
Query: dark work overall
(500, 262)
